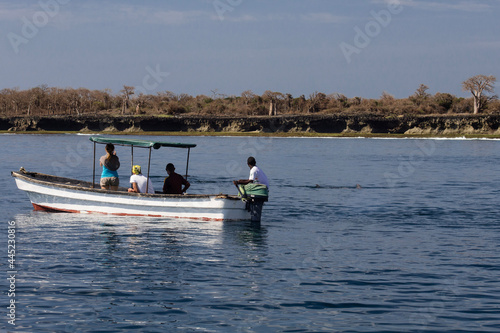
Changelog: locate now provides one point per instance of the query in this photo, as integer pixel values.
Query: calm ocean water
(415, 249)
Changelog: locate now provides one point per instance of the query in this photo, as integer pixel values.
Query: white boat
(58, 194)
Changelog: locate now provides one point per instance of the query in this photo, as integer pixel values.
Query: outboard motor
(254, 195)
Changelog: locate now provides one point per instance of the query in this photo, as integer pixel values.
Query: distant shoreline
(364, 125)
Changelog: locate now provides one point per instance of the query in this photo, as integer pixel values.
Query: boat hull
(59, 197)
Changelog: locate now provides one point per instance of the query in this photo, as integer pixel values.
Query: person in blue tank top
(110, 164)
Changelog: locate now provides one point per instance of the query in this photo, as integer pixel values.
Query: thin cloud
(57, 17)
(155, 16)
(172, 17)
(15, 13)
(244, 18)
(323, 18)
(310, 17)
(485, 45)
(86, 13)
(464, 6)
(233, 18)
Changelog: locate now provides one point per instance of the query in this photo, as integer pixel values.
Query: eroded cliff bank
(321, 124)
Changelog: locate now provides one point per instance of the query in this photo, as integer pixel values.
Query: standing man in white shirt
(257, 176)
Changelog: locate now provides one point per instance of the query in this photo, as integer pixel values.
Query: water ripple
(411, 254)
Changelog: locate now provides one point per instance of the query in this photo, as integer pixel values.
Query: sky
(225, 47)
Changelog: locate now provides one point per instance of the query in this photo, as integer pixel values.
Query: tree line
(44, 100)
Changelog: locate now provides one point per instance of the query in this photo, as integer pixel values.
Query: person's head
(110, 148)
(170, 168)
(136, 169)
(251, 161)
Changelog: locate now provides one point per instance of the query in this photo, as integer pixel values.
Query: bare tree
(420, 95)
(12, 100)
(171, 96)
(126, 92)
(247, 96)
(36, 97)
(317, 102)
(216, 94)
(275, 100)
(74, 101)
(288, 102)
(386, 97)
(477, 85)
(139, 102)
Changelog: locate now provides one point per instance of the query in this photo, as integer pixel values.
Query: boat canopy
(140, 143)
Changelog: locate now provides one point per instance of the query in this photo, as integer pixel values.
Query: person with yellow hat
(138, 181)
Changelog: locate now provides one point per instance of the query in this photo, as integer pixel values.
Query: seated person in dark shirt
(173, 183)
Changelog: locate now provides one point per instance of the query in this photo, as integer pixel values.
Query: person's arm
(165, 187)
(242, 181)
(186, 186)
(134, 188)
(250, 179)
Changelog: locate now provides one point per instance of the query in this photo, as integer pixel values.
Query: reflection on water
(119, 269)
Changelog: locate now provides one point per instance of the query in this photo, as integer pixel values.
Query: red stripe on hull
(52, 210)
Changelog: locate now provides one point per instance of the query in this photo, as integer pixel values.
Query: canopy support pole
(132, 160)
(93, 171)
(187, 163)
(149, 164)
